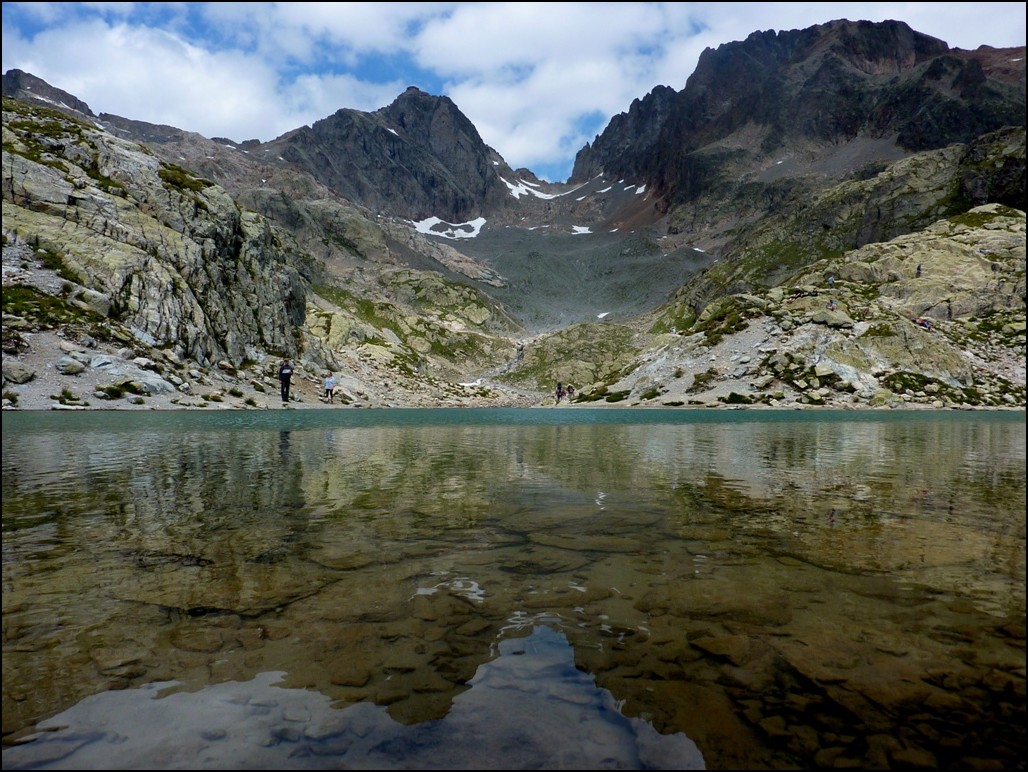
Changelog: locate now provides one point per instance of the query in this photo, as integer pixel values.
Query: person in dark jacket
(285, 375)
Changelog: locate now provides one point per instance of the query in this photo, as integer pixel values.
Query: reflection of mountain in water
(530, 708)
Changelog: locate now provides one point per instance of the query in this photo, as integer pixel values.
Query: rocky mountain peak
(18, 84)
(875, 48)
(437, 125)
(416, 158)
(810, 94)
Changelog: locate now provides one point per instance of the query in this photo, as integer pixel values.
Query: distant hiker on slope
(329, 387)
(285, 375)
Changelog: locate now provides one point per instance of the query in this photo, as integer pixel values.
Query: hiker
(559, 392)
(330, 387)
(570, 391)
(285, 375)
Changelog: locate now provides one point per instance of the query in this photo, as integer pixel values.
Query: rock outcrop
(170, 256)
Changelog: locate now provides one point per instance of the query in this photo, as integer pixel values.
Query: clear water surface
(502, 589)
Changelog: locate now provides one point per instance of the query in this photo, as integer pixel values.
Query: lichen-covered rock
(16, 372)
(170, 256)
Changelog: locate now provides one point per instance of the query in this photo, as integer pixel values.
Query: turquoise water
(57, 421)
(393, 588)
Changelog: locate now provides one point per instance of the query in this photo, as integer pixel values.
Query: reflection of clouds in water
(521, 620)
(467, 588)
(516, 715)
(458, 585)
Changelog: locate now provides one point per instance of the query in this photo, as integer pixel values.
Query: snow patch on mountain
(433, 226)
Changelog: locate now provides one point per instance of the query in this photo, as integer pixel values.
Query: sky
(538, 80)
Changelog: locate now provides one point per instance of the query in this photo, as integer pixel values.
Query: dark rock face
(141, 131)
(630, 139)
(418, 157)
(983, 181)
(809, 90)
(28, 88)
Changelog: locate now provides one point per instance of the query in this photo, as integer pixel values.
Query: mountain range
(686, 261)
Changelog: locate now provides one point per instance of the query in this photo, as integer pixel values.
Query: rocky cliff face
(416, 158)
(911, 320)
(169, 255)
(26, 87)
(768, 125)
(810, 93)
(903, 197)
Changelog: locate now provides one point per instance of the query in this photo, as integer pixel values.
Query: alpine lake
(561, 588)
